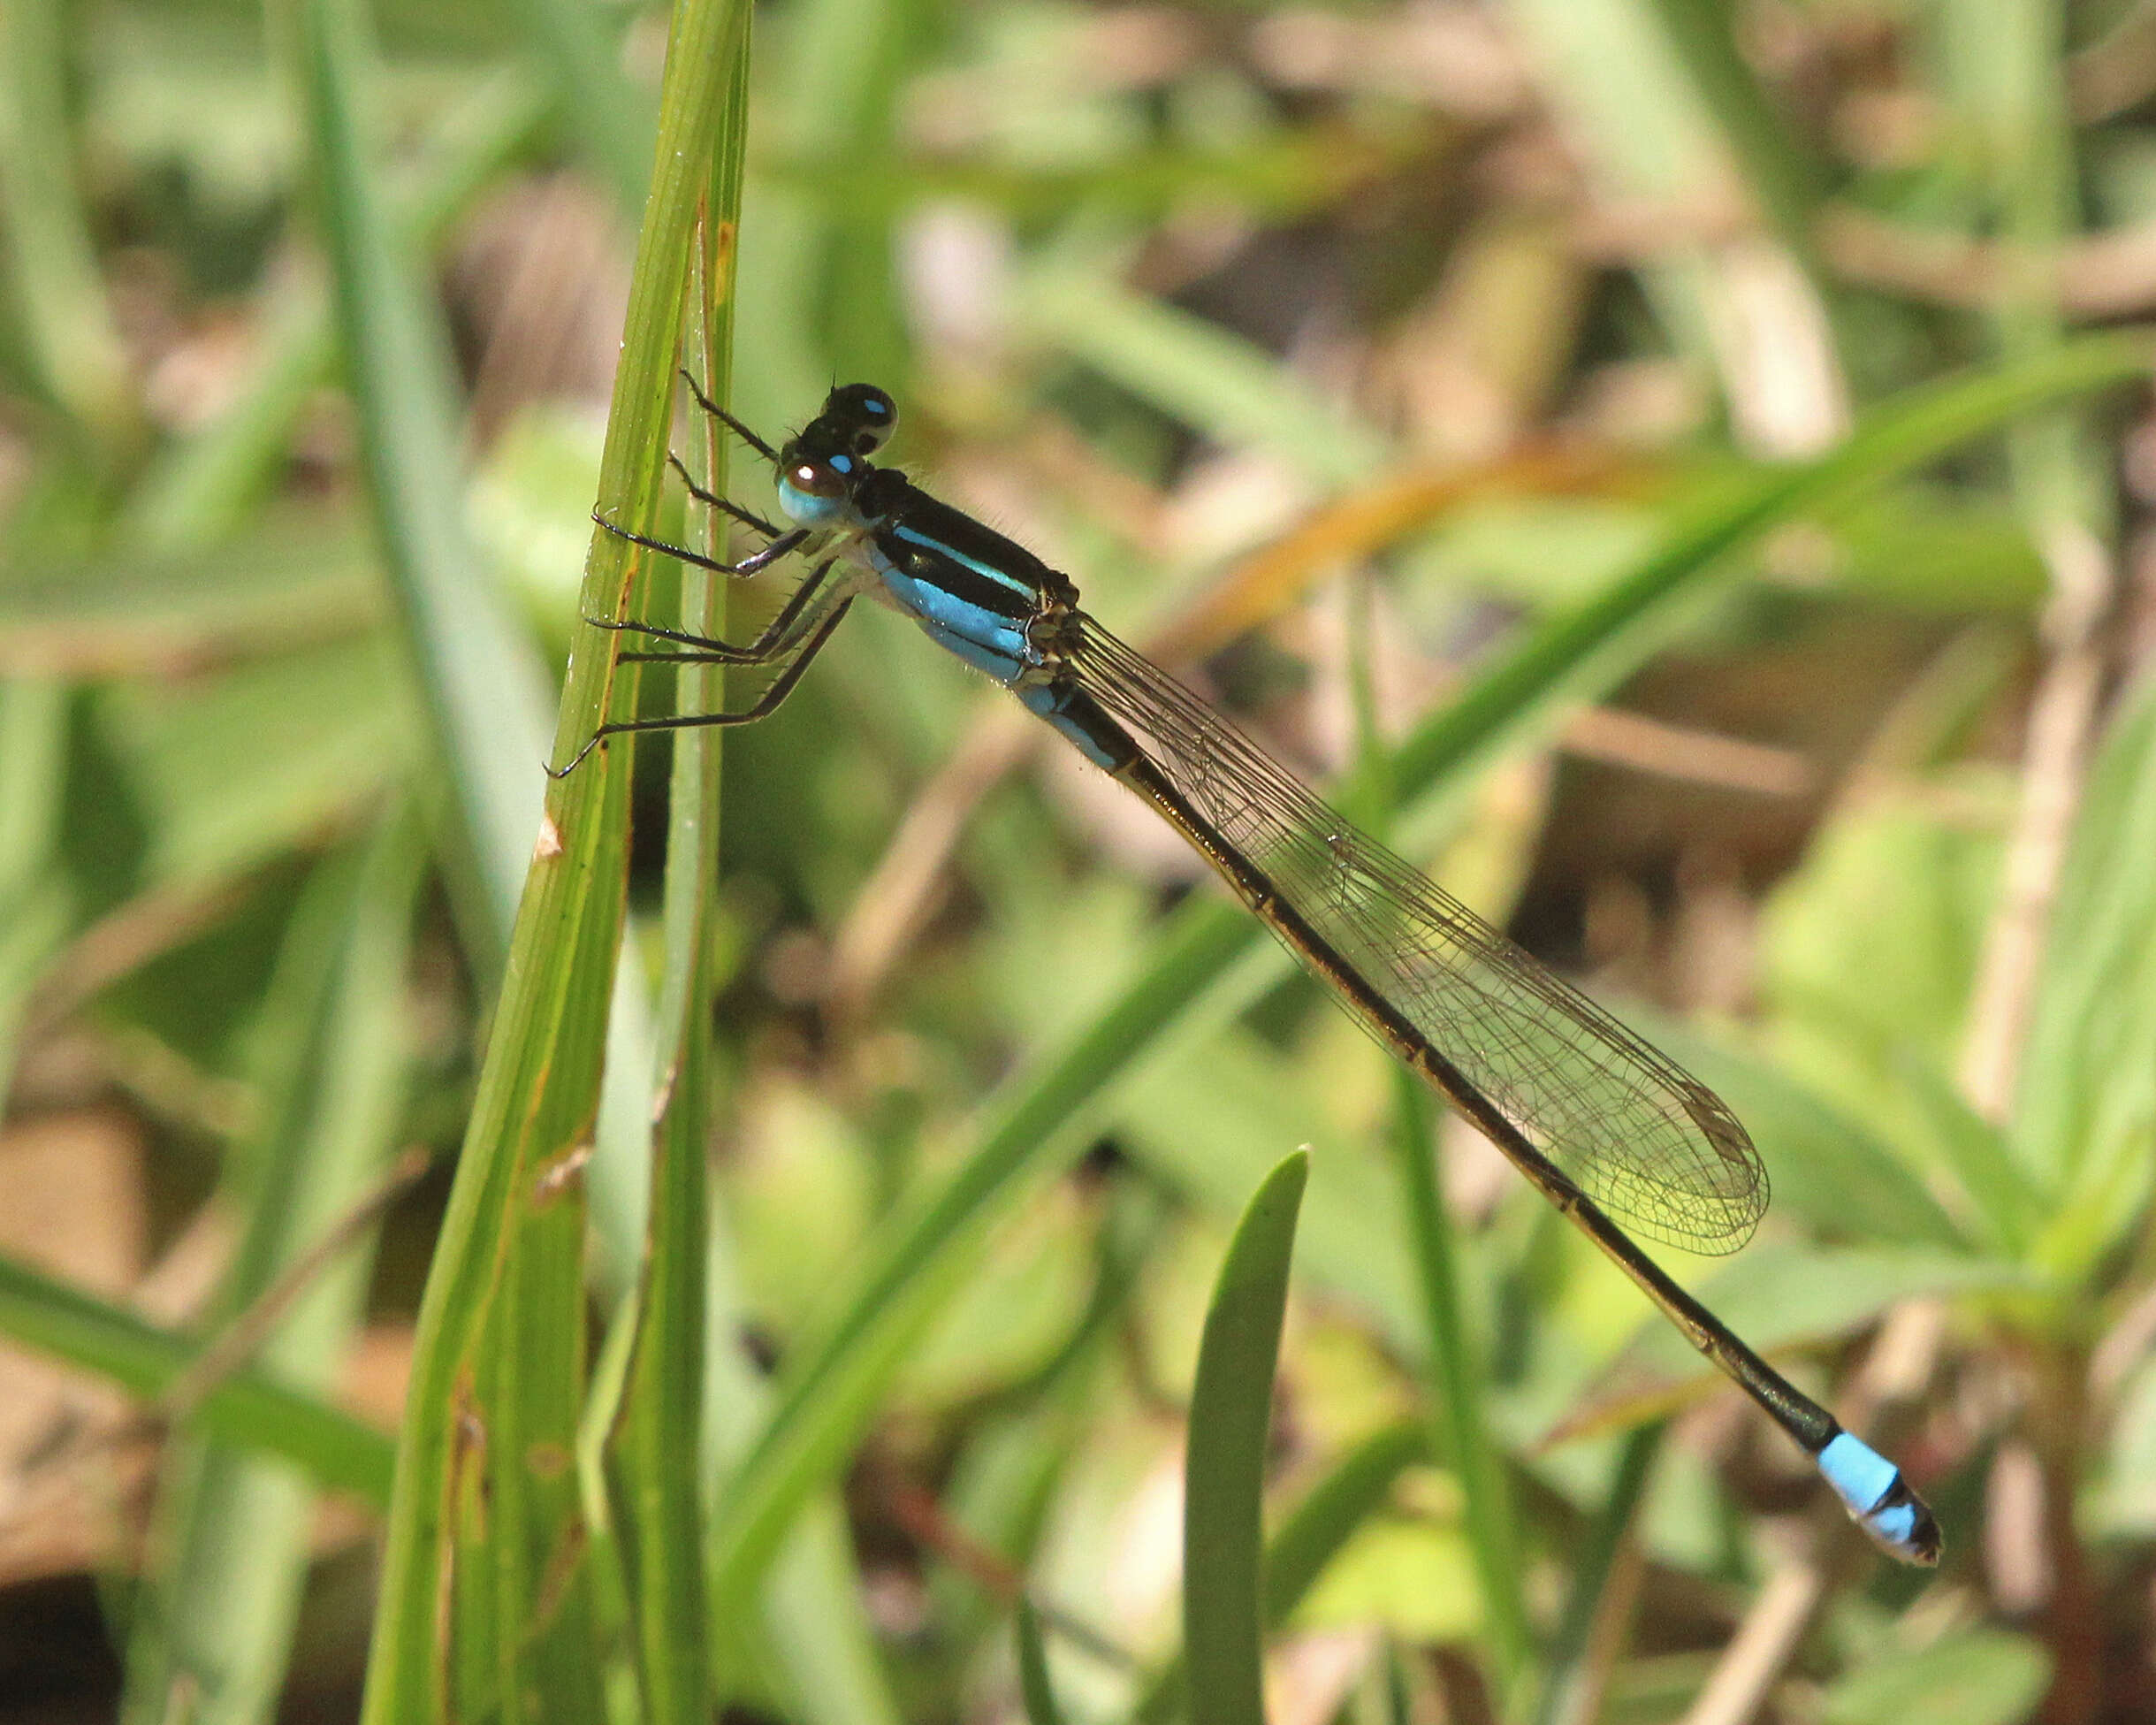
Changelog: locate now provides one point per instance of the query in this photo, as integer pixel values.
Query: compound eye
(815, 478)
(869, 415)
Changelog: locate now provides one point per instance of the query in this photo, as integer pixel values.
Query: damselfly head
(827, 458)
(865, 414)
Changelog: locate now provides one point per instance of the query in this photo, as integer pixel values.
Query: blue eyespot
(861, 416)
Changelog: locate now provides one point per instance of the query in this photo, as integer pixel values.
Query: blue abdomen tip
(1880, 1499)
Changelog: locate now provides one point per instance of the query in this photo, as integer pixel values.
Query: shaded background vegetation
(1337, 351)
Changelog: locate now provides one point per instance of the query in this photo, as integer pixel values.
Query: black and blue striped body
(979, 596)
(1416, 969)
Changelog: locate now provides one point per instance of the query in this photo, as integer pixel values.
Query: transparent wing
(1642, 1138)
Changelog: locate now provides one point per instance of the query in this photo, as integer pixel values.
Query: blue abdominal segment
(1078, 717)
(1871, 1486)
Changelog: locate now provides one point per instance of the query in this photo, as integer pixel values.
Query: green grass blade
(1308, 1537)
(1781, 1296)
(1829, 1169)
(2006, 1206)
(1459, 1410)
(1314, 1532)
(2012, 102)
(839, 95)
(250, 1407)
(480, 677)
(1610, 70)
(481, 683)
(1575, 656)
(199, 487)
(537, 1092)
(928, 1256)
(233, 1541)
(1972, 1676)
(1575, 1675)
(2086, 1111)
(1223, 1474)
(1207, 1117)
(610, 115)
(815, 1619)
(1779, 169)
(33, 792)
(662, 1513)
(1033, 1669)
(51, 262)
(33, 776)
(1202, 374)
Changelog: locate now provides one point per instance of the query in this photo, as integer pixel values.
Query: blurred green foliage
(1649, 450)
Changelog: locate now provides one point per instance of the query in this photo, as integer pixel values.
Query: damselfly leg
(780, 635)
(764, 705)
(754, 563)
(725, 506)
(778, 543)
(791, 639)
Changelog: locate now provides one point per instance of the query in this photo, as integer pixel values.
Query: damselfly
(1607, 1128)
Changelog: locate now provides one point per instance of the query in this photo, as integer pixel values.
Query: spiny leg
(748, 518)
(754, 563)
(728, 420)
(764, 705)
(777, 638)
(781, 543)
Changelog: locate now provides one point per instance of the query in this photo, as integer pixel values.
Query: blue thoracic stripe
(1004, 665)
(993, 640)
(1017, 584)
(936, 579)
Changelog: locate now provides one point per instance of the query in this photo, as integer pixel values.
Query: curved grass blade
(232, 1551)
(33, 793)
(199, 487)
(609, 113)
(519, 1588)
(1200, 373)
(250, 1407)
(481, 678)
(2082, 1120)
(1223, 1474)
(1033, 1669)
(1457, 1390)
(1307, 1539)
(68, 334)
(1577, 1672)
